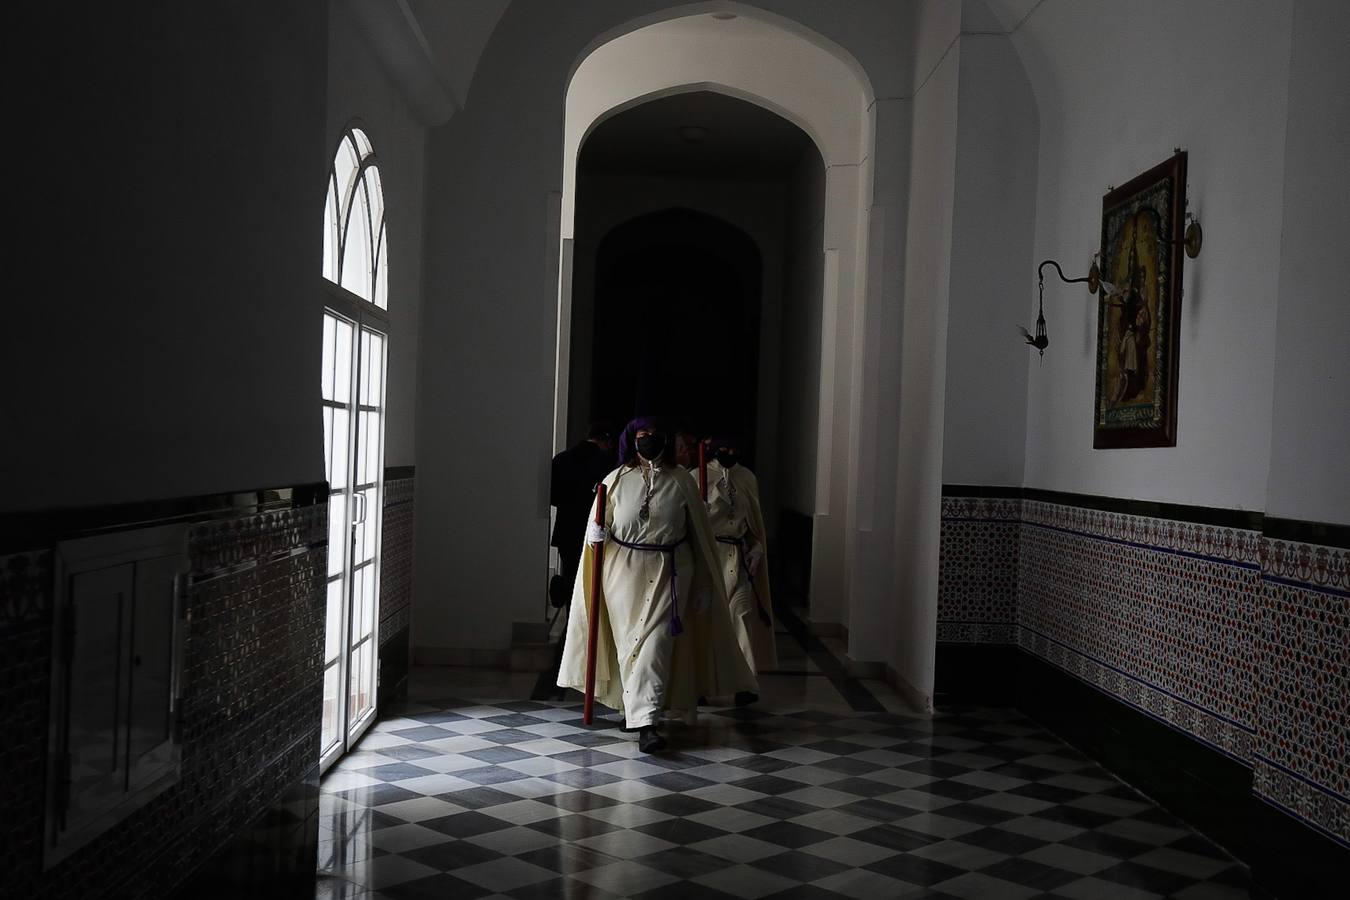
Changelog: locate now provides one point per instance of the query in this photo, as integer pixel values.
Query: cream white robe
(733, 507)
(641, 668)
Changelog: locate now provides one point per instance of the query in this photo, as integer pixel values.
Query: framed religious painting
(1138, 309)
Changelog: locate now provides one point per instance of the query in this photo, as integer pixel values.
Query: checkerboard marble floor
(471, 794)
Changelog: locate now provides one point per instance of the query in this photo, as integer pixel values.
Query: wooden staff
(703, 470)
(593, 618)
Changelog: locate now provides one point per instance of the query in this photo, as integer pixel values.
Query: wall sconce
(1190, 243)
(1040, 340)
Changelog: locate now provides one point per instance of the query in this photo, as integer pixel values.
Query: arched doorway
(764, 62)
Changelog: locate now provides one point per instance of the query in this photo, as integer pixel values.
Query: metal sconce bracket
(1040, 340)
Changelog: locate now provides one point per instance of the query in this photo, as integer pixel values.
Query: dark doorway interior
(677, 323)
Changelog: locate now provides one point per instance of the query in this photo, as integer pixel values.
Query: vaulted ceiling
(698, 134)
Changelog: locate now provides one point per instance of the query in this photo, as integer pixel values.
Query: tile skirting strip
(1327, 534)
(1179, 512)
(26, 530)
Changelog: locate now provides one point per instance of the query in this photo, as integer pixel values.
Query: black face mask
(727, 458)
(651, 446)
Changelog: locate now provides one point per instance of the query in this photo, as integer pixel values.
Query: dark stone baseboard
(395, 660)
(975, 674)
(1195, 782)
(1198, 784)
(1292, 860)
(275, 855)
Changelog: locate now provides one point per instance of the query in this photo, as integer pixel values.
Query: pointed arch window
(356, 325)
(354, 237)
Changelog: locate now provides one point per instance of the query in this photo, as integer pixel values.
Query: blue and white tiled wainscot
(1203, 654)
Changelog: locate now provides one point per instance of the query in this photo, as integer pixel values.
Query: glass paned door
(353, 422)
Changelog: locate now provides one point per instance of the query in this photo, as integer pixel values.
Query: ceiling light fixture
(723, 16)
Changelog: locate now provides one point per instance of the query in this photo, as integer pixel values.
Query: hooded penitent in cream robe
(738, 527)
(665, 637)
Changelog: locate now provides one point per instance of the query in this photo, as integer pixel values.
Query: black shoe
(650, 740)
(745, 698)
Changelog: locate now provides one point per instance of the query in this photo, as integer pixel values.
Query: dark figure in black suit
(576, 472)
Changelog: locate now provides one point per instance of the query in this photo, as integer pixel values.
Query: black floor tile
(678, 804)
(915, 869)
(1030, 874)
(804, 867)
(893, 837)
(451, 855)
(465, 824)
(787, 834)
(435, 887)
(680, 831)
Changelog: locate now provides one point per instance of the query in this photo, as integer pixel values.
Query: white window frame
(365, 312)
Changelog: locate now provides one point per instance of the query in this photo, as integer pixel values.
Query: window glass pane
(328, 443)
(382, 272)
(374, 371)
(370, 611)
(368, 676)
(375, 196)
(337, 528)
(357, 249)
(360, 602)
(374, 431)
(330, 222)
(371, 442)
(329, 336)
(332, 641)
(341, 435)
(370, 527)
(362, 141)
(345, 167)
(342, 357)
(328, 732)
(361, 449)
(368, 533)
(362, 660)
(354, 684)
(363, 390)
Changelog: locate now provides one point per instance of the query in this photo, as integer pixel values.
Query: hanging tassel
(676, 626)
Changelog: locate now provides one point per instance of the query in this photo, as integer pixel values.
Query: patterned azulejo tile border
(1253, 632)
(977, 571)
(1303, 680)
(977, 632)
(396, 558)
(1177, 622)
(1310, 564)
(1217, 542)
(1303, 800)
